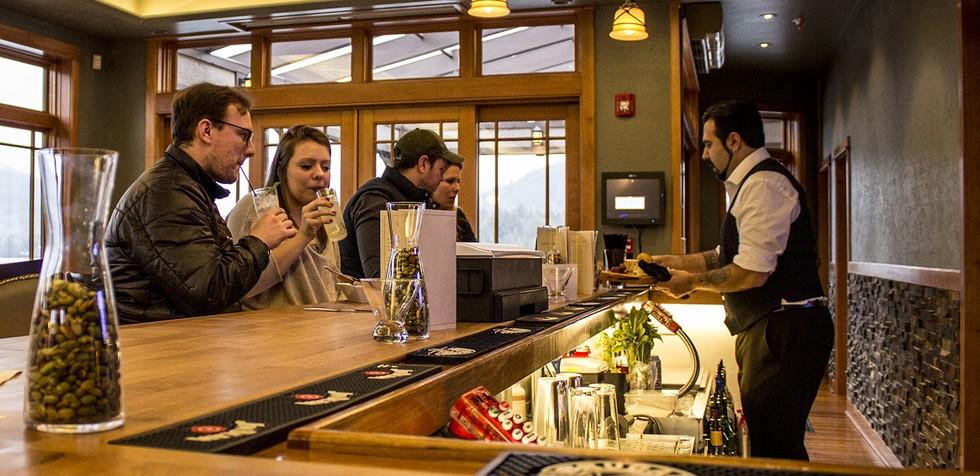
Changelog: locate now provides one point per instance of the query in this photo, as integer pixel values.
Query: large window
(416, 55)
(33, 71)
(311, 61)
(521, 179)
(225, 65)
(22, 84)
(20, 223)
(386, 135)
(529, 49)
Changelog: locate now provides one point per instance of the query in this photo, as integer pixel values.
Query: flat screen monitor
(633, 198)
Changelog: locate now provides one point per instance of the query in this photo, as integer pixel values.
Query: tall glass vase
(404, 227)
(73, 362)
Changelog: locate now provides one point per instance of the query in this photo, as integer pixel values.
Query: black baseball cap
(418, 142)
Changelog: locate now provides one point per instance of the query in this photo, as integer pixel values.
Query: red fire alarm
(625, 105)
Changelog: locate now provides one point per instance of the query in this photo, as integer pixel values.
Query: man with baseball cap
(418, 161)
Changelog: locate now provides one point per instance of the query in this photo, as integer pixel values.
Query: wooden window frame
(58, 120)
(362, 96)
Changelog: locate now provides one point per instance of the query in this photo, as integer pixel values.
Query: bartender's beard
(723, 174)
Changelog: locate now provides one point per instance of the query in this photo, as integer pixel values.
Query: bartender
(766, 272)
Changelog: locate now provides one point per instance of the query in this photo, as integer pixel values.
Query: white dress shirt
(764, 210)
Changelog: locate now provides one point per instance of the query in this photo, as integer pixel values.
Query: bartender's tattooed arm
(728, 278)
(710, 259)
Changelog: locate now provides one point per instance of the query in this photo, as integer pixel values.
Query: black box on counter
(497, 283)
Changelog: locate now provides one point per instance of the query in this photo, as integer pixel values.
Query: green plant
(635, 335)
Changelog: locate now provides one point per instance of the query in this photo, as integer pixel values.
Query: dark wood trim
(261, 57)
(676, 130)
(52, 48)
(871, 436)
(503, 88)
(840, 166)
(585, 121)
(969, 18)
(360, 58)
(16, 116)
(517, 112)
(931, 277)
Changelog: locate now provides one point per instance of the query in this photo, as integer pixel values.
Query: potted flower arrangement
(634, 337)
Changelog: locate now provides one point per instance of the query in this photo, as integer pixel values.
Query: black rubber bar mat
(518, 464)
(262, 423)
(469, 347)
(550, 318)
(557, 316)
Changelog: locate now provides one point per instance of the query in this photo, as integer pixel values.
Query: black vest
(795, 277)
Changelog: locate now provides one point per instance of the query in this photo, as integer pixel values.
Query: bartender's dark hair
(739, 116)
(203, 101)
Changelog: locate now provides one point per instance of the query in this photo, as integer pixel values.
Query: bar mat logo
(311, 399)
(511, 330)
(386, 371)
(210, 433)
(448, 351)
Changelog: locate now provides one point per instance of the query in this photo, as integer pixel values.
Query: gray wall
(893, 89)
(111, 101)
(641, 142)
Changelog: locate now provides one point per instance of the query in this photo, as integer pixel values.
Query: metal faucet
(664, 317)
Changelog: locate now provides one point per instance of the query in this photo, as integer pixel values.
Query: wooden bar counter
(176, 370)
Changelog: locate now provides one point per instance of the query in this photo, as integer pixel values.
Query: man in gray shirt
(418, 161)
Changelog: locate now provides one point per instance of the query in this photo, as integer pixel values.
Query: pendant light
(489, 8)
(629, 23)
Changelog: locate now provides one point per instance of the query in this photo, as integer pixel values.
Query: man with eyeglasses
(170, 252)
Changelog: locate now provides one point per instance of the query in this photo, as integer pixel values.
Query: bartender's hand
(679, 285)
(667, 261)
(273, 227)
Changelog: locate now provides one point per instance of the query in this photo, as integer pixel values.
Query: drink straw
(249, 182)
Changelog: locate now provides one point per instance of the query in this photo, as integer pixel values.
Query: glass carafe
(73, 383)
(404, 226)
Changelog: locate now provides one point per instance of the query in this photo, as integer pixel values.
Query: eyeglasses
(248, 132)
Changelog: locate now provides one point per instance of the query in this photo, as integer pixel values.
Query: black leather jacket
(170, 253)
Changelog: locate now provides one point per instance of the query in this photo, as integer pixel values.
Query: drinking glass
(551, 411)
(556, 278)
(584, 417)
(612, 257)
(391, 301)
(264, 199)
(607, 412)
(336, 230)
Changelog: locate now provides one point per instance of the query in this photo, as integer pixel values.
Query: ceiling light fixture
(764, 44)
(629, 23)
(767, 16)
(488, 8)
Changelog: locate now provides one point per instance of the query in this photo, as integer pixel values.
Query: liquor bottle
(728, 393)
(709, 416)
(744, 446)
(629, 248)
(716, 443)
(726, 418)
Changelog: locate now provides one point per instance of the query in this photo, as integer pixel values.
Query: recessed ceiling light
(767, 16)
(764, 44)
